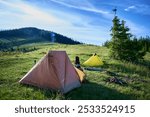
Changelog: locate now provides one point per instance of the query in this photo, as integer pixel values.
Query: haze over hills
(16, 37)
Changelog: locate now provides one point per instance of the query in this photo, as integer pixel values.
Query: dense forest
(16, 37)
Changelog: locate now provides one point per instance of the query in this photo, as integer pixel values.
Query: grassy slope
(13, 66)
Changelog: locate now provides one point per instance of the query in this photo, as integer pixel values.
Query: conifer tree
(121, 45)
(114, 45)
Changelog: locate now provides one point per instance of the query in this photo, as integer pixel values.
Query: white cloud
(139, 8)
(130, 8)
(30, 14)
(86, 7)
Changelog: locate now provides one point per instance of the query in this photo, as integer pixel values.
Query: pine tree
(120, 38)
(122, 47)
(115, 43)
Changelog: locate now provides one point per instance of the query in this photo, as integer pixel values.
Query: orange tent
(54, 71)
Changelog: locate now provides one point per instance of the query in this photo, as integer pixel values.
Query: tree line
(143, 42)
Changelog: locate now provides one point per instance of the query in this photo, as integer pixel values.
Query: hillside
(16, 37)
(14, 65)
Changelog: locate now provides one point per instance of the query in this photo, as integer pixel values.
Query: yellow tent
(93, 61)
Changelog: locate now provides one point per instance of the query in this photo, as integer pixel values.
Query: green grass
(14, 65)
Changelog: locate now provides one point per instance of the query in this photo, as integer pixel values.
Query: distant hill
(16, 37)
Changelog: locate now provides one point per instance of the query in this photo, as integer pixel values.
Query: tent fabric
(81, 74)
(54, 71)
(93, 61)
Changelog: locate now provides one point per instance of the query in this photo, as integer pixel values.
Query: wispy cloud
(28, 13)
(130, 8)
(86, 7)
(139, 8)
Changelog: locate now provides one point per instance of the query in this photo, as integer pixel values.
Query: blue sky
(88, 21)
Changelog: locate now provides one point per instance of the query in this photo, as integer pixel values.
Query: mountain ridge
(16, 37)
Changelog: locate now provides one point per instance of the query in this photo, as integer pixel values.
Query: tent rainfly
(54, 71)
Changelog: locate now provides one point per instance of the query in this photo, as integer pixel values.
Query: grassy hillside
(14, 65)
(17, 37)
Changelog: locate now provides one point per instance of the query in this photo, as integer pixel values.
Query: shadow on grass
(36, 93)
(145, 63)
(130, 69)
(93, 91)
(88, 91)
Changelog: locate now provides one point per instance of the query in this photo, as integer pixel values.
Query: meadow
(14, 65)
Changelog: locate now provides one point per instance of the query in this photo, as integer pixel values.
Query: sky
(87, 21)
